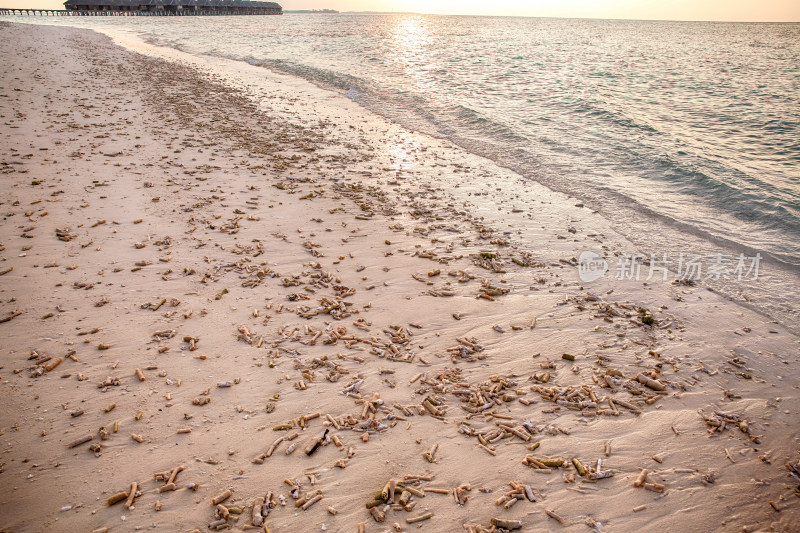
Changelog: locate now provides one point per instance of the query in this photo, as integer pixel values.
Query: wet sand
(194, 281)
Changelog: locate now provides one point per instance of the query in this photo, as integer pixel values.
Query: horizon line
(568, 18)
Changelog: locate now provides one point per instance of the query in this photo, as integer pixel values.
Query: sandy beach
(263, 308)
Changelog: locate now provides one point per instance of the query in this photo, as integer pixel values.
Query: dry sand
(188, 278)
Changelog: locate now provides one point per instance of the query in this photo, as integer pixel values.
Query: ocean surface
(686, 135)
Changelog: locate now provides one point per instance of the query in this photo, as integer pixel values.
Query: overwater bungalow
(182, 7)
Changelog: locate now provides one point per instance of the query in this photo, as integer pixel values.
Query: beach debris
(164, 334)
(579, 467)
(430, 455)
(554, 516)
(490, 292)
(506, 524)
(519, 492)
(82, 440)
(419, 518)
(655, 487)
(132, 494)
(10, 316)
(650, 382)
(65, 234)
(221, 497)
(719, 421)
(316, 443)
(116, 498)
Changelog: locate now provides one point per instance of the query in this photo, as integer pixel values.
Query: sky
(730, 10)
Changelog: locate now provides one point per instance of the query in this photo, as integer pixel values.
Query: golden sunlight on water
(411, 48)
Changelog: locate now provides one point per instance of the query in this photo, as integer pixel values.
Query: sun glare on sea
(411, 31)
(412, 49)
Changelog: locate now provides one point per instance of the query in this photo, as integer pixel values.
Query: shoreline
(244, 75)
(644, 225)
(265, 231)
(650, 227)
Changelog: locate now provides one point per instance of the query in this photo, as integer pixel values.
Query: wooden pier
(34, 12)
